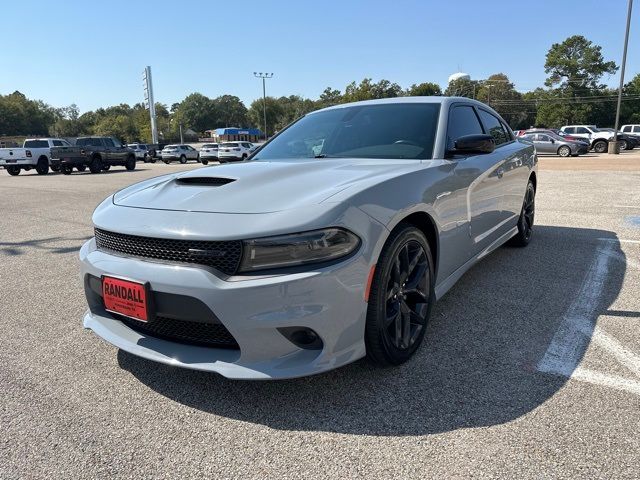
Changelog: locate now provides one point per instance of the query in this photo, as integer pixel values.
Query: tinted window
(493, 126)
(462, 121)
(57, 143)
(581, 130)
(543, 138)
(627, 128)
(108, 142)
(636, 129)
(570, 130)
(36, 144)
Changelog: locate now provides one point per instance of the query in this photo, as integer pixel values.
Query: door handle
(500, 172)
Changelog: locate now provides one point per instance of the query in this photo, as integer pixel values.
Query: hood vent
(205, 181)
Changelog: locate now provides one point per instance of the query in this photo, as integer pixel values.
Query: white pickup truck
(35, 153)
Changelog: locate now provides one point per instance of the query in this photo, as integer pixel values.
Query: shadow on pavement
(21, 248)
(477, 366)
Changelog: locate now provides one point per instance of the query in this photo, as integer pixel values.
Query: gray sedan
(549, 143)
(330, 243)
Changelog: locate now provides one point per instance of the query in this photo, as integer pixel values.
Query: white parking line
(619, 240)
(578, 326)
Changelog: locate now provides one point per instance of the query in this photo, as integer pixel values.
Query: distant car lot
(486, 395)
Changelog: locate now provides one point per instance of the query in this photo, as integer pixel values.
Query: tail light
(29, 153)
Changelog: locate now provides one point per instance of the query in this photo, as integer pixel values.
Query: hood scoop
(204, 181)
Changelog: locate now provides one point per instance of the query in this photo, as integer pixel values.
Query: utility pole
(181, 139)
(614, 148)
(149, 103)
(264, 76)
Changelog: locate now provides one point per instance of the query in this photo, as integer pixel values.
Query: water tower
(459, 76)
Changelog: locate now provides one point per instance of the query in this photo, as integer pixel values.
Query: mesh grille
(223, 256)
(195, 333)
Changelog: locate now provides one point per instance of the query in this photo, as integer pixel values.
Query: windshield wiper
(324, 155)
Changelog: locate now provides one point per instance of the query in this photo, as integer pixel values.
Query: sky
(93, 53)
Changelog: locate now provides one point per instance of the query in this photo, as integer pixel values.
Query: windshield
(394, 130)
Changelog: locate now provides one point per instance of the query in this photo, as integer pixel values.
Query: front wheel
(623, 145)
(400, 298)
(205, 162)
(183, 159)
(43, 166)
(66, 169)
(55, 168)
(81, 168)
(525, 222)
(105, 168)
(13, 171)
(564, 151)
(130, 164)
(96, 165)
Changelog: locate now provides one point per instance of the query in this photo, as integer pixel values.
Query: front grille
(182, 331)
(224, 256)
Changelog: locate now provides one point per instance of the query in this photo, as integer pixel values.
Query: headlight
(297, 249)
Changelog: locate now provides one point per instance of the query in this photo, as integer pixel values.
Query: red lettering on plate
(125, 297)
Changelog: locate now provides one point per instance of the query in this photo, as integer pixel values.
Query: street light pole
(264, 76)
(624, 63)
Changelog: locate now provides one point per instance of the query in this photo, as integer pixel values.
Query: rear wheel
(183, 159)
(13, 170)
(81, 168)
(205, 161)
(105, 168)
(130, 164)
(623, 145)
(244, 156)
(66, 169)
(564, 151)
(96, 165)
(400, 299)
(43, 166)
(167, 161)
(55, 168)
(600, 146)
(525, 222)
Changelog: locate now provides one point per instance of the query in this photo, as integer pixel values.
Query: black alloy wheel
(81, 168)
(105, 168)
(43, 166)
(13, 170)
(401, 297)
(96, 165)
(130, 164)
(527, 216)
(66, 169)
(55, 168)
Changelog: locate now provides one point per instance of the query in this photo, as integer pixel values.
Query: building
(233, 134)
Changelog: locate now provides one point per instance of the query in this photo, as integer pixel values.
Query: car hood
(260, 186)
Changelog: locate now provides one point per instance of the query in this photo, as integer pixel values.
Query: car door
(109, 150)
(544, 144)
(479, 175)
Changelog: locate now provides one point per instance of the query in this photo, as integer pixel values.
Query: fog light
(302, 337)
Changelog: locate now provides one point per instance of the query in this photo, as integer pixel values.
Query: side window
(494, 127)
(107, 142)
(462, 121)
(507, 131)
(570, 130)
(582, 130)
(627, 128)
(544, 138)
(57, 143)
(636, 129)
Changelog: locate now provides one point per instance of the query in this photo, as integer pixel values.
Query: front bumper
(328, 300)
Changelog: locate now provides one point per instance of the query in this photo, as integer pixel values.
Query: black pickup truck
(97, 153)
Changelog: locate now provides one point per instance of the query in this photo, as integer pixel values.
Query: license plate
(126, 297)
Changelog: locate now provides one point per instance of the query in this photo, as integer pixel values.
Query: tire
(96, 165)
(42, 167)
(624, 145)
(244, 157)
(564, 151)
(167, 161)
(183, 159)
(55, 168)
(130, 164)
(205, 162)
(397, 316)
(81, 168)
(13, 170)
(66, 169)
(153, 160)
(527, 216)
(600, 146)
(198, 159)
(105, 168)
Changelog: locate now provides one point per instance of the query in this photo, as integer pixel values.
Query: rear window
(229, 145)
(36, 144)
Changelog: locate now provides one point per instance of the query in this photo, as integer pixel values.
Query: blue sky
(93, 53)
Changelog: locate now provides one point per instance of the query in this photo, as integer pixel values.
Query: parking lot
(530, 367)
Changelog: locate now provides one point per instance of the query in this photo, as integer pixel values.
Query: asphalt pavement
(530, 367)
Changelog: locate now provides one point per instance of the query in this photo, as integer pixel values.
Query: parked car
(626, 142)
(209, 153)
(234, 151)
(181, 153)
(297, 261)
(35, 153)
(548, 142)
(141, 152)
(97, 153)
(633, 130)
(599, 139)
(572, 138)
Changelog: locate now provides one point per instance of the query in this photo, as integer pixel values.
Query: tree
(230, 112)
(630, 110)
(274, 113)
(329, 97)
(197, 112)
(367, 90)
(499, 92)
(462, 87)
(576, 63)
(424, 90)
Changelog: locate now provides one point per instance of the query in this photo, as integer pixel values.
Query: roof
(238, 131)
(435, 99)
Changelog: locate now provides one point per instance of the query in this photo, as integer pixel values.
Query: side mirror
(553, 140)
(473, 144)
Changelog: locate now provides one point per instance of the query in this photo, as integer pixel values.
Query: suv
(599, 139)
(182, 153)
(97, 153)
(230, 151)
(633, 130)
(141, 151)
